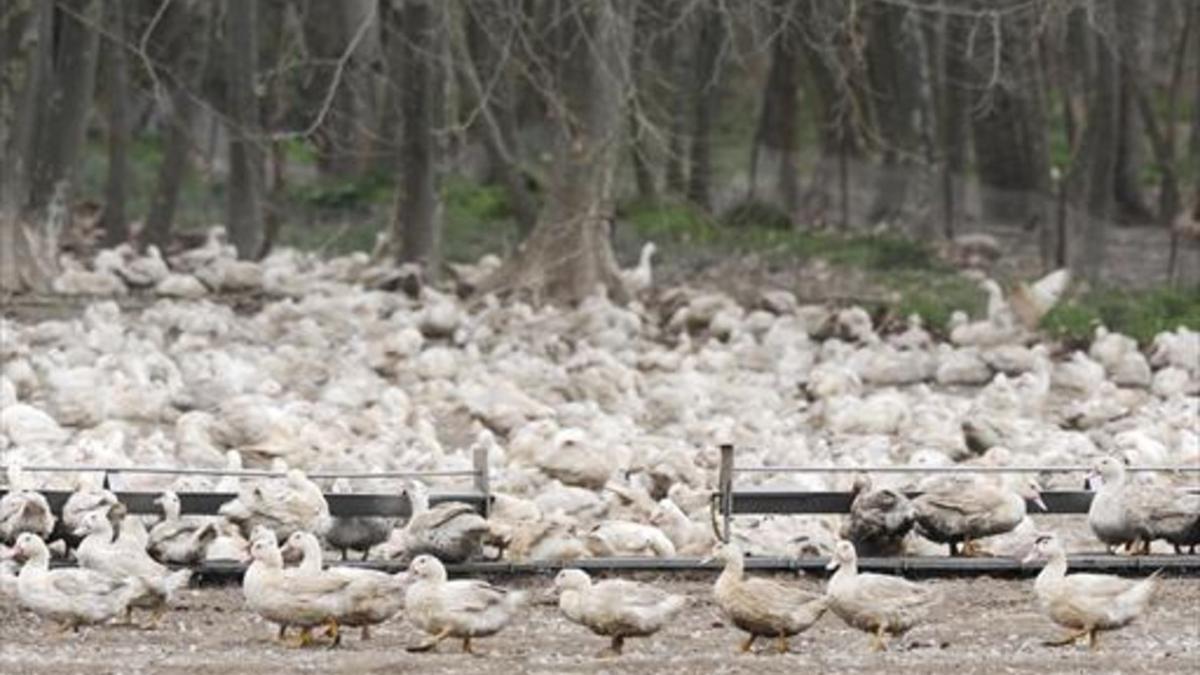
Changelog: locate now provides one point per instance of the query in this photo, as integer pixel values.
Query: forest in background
(535, 128)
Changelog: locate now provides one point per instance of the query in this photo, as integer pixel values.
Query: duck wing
(885, 590)
(473, 596)
(77, 582)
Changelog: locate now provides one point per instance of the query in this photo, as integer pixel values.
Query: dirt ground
(982, 626)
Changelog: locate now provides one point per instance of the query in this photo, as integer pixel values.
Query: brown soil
(982, 626)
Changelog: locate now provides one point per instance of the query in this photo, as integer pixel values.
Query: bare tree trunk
(184, 44)
(245, 144)
(776, 139)
(668, 60)
(416, 223)
(116, 228)
(68, 98)
(1134, 41)
(28, 246)
(492, 85)
(645, 21)
(569, 256)
(705, 100)
(1098, 153)
(952, 118)
(893, 74)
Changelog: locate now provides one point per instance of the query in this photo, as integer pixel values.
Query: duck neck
(419, 501)
(37, 561)
(1054, 571)
(735, 567)
(172, 510)
(312, 560)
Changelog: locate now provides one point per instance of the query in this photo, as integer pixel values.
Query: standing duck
(292, 597)
(1085, 603)
(954, 512)
(876, 603)
(761, 607)
(23, 509)
(98, 551)
(71, 597)
(372, 597)
(295, 503)
(615, 608)
(879, 519)
(357, 533)
(1134, 515)
(463, 608)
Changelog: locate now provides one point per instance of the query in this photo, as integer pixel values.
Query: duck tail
(516, 599)
(674, 604)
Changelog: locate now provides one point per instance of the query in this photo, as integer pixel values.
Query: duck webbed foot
(781, 644)
(745, 646)
(428, 646)
(1068, 639)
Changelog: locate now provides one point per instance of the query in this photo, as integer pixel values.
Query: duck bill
(1093, 481)
(1040, 504)
(833, 564)
(708, 561)
(1030, 557)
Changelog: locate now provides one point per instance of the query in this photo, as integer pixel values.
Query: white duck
(615, 608)
(1085, 603)
(178, 539)
(98, 551)
(963, 511)
(762, 607)
(292, 597)
(641, 277)
(463, 609)
(626, 538)
(23, 509)
(71, 597)
(296, 503)
(372, 597)
(879, 604)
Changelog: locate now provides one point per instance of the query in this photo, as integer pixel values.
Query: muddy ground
(982, 626)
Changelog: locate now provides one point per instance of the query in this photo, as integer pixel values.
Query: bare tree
(245, 151)
(893, 73)
(569, 256)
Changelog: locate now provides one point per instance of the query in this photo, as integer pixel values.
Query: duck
(356, 533)
(876, 603)
(1085, 604)
(615, 608)
(296, 503)
(627, 538)
(292, 597)
(688, 536)
(87, 497)
(373, 596)
(762, 607)
(640, 278)
(70, 597)
(1135, 515)
(228, 545)
(451, 531)
(177, 539)
(99, 551)
(955, 512)
(23, 509)
(879, 520)
(462, 609)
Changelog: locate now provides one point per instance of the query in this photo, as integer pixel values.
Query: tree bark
(568, 256)
(1134, 40)
(184, 44)
(1098, 154)
(328, 30)
(893, 74)
(775, 149)
(28, 244)
(62, 118)
(416, 223)
(245, 145)
(705, 101)
(116, 229)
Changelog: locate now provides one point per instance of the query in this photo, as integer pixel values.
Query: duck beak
(1029, 557)
(832, 564)
(1040, 504)
(708, 561)
(1093, 481)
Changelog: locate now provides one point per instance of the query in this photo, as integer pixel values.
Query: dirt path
(983, 626)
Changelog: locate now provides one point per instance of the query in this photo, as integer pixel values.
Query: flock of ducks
(113, 580)
(600, 422)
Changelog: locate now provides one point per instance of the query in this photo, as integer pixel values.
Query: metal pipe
(1189, 468)
(188, 471)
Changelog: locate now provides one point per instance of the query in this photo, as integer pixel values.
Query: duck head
(843, 554)
(572, 580)
(427, 568)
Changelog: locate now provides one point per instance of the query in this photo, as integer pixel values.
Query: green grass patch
(1140, 314)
